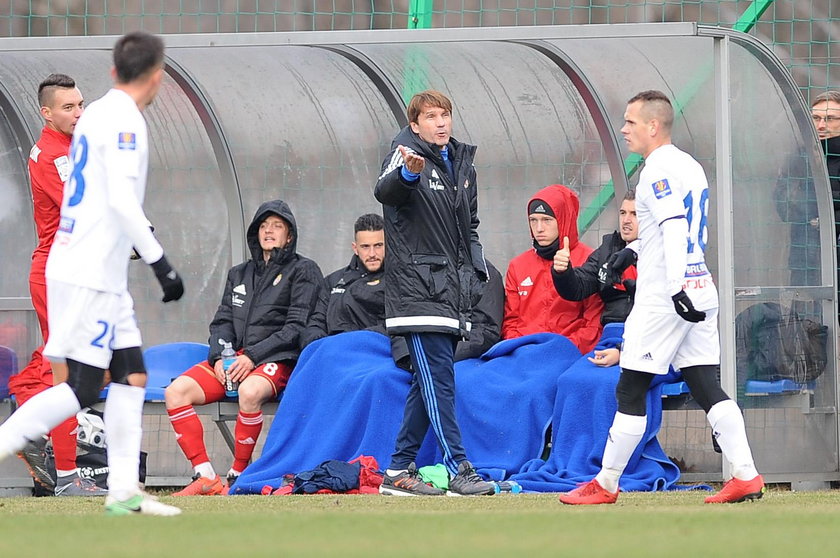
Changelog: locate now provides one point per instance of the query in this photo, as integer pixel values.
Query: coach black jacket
(434, 262)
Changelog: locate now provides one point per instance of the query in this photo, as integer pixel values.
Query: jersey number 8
(77, 180)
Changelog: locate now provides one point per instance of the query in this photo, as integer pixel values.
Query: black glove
(173, 287)
(617, 263)
(685, 309)
(630, 286)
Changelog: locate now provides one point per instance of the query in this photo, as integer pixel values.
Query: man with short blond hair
(674, 316)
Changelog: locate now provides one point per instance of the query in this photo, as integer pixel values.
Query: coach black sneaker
(468, 483)
(407, 483)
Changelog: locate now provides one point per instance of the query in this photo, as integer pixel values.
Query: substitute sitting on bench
(264, 310)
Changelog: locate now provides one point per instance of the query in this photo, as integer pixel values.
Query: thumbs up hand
(562, 258)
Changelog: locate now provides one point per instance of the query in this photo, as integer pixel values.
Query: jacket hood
(282, 210)
(565, 204)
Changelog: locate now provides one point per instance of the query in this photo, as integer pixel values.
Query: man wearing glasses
(825, 110)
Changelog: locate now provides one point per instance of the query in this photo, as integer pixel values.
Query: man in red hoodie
(61, 105)
(532, 304)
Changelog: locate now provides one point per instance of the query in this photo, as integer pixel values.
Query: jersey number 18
(699, 236)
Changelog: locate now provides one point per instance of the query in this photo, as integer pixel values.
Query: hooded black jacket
(434, 262)
(578, 283)
(265, 305)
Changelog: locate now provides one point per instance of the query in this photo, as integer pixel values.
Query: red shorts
(33, 379)
(275, 372)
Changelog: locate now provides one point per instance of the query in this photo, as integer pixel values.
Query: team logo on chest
(277, 279)
(525, 285)
(434, 181)
(236, 298)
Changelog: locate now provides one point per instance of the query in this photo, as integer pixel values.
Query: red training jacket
(532, 304)
(49, 165)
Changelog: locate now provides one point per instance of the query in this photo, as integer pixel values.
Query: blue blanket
(583, 413)
(504, 400)
(346, 398)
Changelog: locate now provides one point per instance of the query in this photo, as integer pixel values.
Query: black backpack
(772, 344)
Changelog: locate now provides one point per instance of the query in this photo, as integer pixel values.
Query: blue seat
(8, 368)
(168, 361)
(776, 387)
(675, 389)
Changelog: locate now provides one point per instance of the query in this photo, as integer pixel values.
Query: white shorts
(655, 340)
(87, 325)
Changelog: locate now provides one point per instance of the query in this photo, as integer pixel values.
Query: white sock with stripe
(625, 434)
(728, 428)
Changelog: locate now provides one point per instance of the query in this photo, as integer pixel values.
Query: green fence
(803, 33)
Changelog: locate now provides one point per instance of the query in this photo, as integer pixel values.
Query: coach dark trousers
(431, 401)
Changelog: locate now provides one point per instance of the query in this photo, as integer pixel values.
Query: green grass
(523, 526)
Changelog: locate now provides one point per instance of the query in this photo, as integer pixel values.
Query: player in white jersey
(674, 318)
(90, 312)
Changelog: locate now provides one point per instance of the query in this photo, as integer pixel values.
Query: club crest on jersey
(127, 140)
(277, 279)
(661, 188)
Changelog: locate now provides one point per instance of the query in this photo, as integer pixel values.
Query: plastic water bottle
(508, 486)
(228, 358)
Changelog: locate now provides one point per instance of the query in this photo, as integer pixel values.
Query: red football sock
(246, 432)
(189, 433)
(64, 444)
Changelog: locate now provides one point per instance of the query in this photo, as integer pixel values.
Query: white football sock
(36, 417)
(625, 434)
(205, 470)
(728, 428)
(123, 436)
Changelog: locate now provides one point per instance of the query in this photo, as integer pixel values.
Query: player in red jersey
(61, 106)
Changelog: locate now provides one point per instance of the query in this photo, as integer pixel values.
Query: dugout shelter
(308, 117)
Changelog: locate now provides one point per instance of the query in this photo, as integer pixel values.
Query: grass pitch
(647, 525)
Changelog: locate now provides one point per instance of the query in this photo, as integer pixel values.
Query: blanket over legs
(346, 398)
(583, 413)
